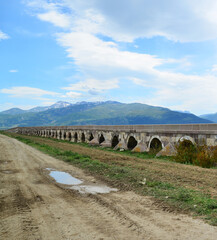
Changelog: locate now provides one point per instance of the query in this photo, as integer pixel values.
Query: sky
(161, 53)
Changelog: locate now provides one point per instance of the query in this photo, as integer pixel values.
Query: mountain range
(15, 111)
(212, 117)
(95, 113)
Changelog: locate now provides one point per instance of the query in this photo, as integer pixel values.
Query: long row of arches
(131, 142)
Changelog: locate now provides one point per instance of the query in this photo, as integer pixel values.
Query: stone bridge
(138, 138)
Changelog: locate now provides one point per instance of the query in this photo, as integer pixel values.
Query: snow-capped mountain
(14, 111)
(60, 104)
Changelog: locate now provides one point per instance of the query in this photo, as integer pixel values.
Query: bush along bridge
(137, 138)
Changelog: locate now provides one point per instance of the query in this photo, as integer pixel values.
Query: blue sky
(162, 53)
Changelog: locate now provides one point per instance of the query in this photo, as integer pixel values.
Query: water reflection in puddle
(67, 179)
(64, 178)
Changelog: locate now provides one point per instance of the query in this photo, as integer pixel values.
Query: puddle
(78, 185)
(93, 189)
(64, 178)
(7, 171)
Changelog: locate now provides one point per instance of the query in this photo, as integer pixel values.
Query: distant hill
(212, 117)
(99, 113)
(14, 111)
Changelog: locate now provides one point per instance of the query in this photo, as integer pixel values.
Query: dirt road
(34, 206)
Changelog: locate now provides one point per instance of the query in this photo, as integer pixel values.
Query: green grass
(125, 177)
(142, 155)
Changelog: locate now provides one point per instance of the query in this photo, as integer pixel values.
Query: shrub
(186, 152)
(203, 156)
(214, 152)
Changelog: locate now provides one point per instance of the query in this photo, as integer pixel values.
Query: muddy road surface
(34, 206)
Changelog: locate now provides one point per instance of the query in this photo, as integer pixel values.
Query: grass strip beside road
(131, 178)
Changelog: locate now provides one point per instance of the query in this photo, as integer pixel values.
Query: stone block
(121, 145)
(94, 141)
(141, 147)
(168, 150)
(106, 144)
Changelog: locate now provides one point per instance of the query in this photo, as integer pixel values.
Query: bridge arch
(155, 144)
(186, 149)
(115, 141)
(69, 136)
(101, 139)
(64, 135)
(90, 137)
(131, 143)
(75, 137)
(187, 138)
(82, 137)
(60, 134)
(187, 142)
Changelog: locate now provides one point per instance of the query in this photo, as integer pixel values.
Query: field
(151, 190)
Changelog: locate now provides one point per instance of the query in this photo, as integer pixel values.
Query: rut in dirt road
(34, 206)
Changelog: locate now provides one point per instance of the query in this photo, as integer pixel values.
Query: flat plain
(34, 206)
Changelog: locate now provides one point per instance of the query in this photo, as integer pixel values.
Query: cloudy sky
(159, 52)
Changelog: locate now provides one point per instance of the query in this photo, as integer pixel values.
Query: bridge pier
(106, 139)
(140, 147)
(168, 150)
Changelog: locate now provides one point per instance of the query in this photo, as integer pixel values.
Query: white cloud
(3, 36)
(27, 92)
(93, 86)
(214, 68)
(92, 54)
(48, 103)
(13, 71)
(179, 91)
(73, 94)
(127, 20)
(58, 19)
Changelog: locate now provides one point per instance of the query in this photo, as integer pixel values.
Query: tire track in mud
(92, 216)
(18, 211)
(99, 212)
(23, 209)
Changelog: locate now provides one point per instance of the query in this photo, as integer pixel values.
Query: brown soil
(193, 177)
(33, 206)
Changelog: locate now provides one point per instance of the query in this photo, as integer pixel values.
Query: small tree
(186, 152)
(203, 156)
